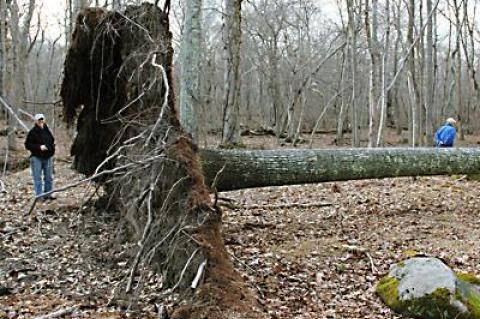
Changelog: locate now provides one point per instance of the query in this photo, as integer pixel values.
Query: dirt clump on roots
(118, 79)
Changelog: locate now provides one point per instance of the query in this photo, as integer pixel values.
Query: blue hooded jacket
(445, 136)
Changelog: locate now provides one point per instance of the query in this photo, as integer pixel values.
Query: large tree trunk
(119, 68)
(230, 170)
(191, 57)
(231, 101)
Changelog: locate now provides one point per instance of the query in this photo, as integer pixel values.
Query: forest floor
(298, 247)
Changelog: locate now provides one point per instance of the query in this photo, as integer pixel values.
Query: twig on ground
(58, 313)
(361, 250)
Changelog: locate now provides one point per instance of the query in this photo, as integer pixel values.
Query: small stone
(427, 288)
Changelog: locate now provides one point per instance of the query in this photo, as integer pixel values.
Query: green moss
(410, 253)
(433, 306)
(387, 289)
(473, 177)
(469, 295)
(470, 278)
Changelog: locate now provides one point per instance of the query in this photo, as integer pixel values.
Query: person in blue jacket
(445, 135)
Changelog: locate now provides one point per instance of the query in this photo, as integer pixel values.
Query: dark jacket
(40, 136)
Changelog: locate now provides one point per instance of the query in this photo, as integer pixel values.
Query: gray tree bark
(190, 63)
(458, 70)
(383, 101)
(371, 28)
(231, 104)
(244, 169)
(19, 49)
(413, 92)
(352, 33)
(3, 31)
(429, 71)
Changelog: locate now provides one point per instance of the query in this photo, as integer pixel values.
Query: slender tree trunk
(296, 97)
(385, 78)
(298, 131)
(276, 104)
(458, 71)
(3, 47)
(69, 21)
(446, 77)
(398, 123)
(413, 107)
(17, 69)
(420, 78)
(354, 68)
(191, 58)
(371, 27)
(343, 99)
(429, 78)
(411, 74)
(468, 43)
(231, 103)
(436, 102)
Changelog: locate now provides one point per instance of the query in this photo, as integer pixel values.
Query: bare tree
(191, 57)
(429, 72)
(383, 100)
(468, 44)
(412, 83)
(19, 31)
(231, 105)
(352, 37)
(458, 68)
(3, 47)
(371, 28)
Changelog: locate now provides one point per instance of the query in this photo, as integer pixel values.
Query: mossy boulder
(425, 287)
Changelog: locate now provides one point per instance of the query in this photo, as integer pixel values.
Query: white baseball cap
(39, 116)
(451, 121)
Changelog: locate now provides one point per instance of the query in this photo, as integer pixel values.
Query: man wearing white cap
(41, 144)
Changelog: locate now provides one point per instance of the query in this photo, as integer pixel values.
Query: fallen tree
(230, 169)
(117, 84)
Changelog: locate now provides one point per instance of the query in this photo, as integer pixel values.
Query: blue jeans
(42, 165)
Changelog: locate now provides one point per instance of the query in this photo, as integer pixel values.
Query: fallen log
(237, 169)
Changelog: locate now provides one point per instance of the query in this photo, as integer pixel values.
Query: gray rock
(421, 276)
(425, 287)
